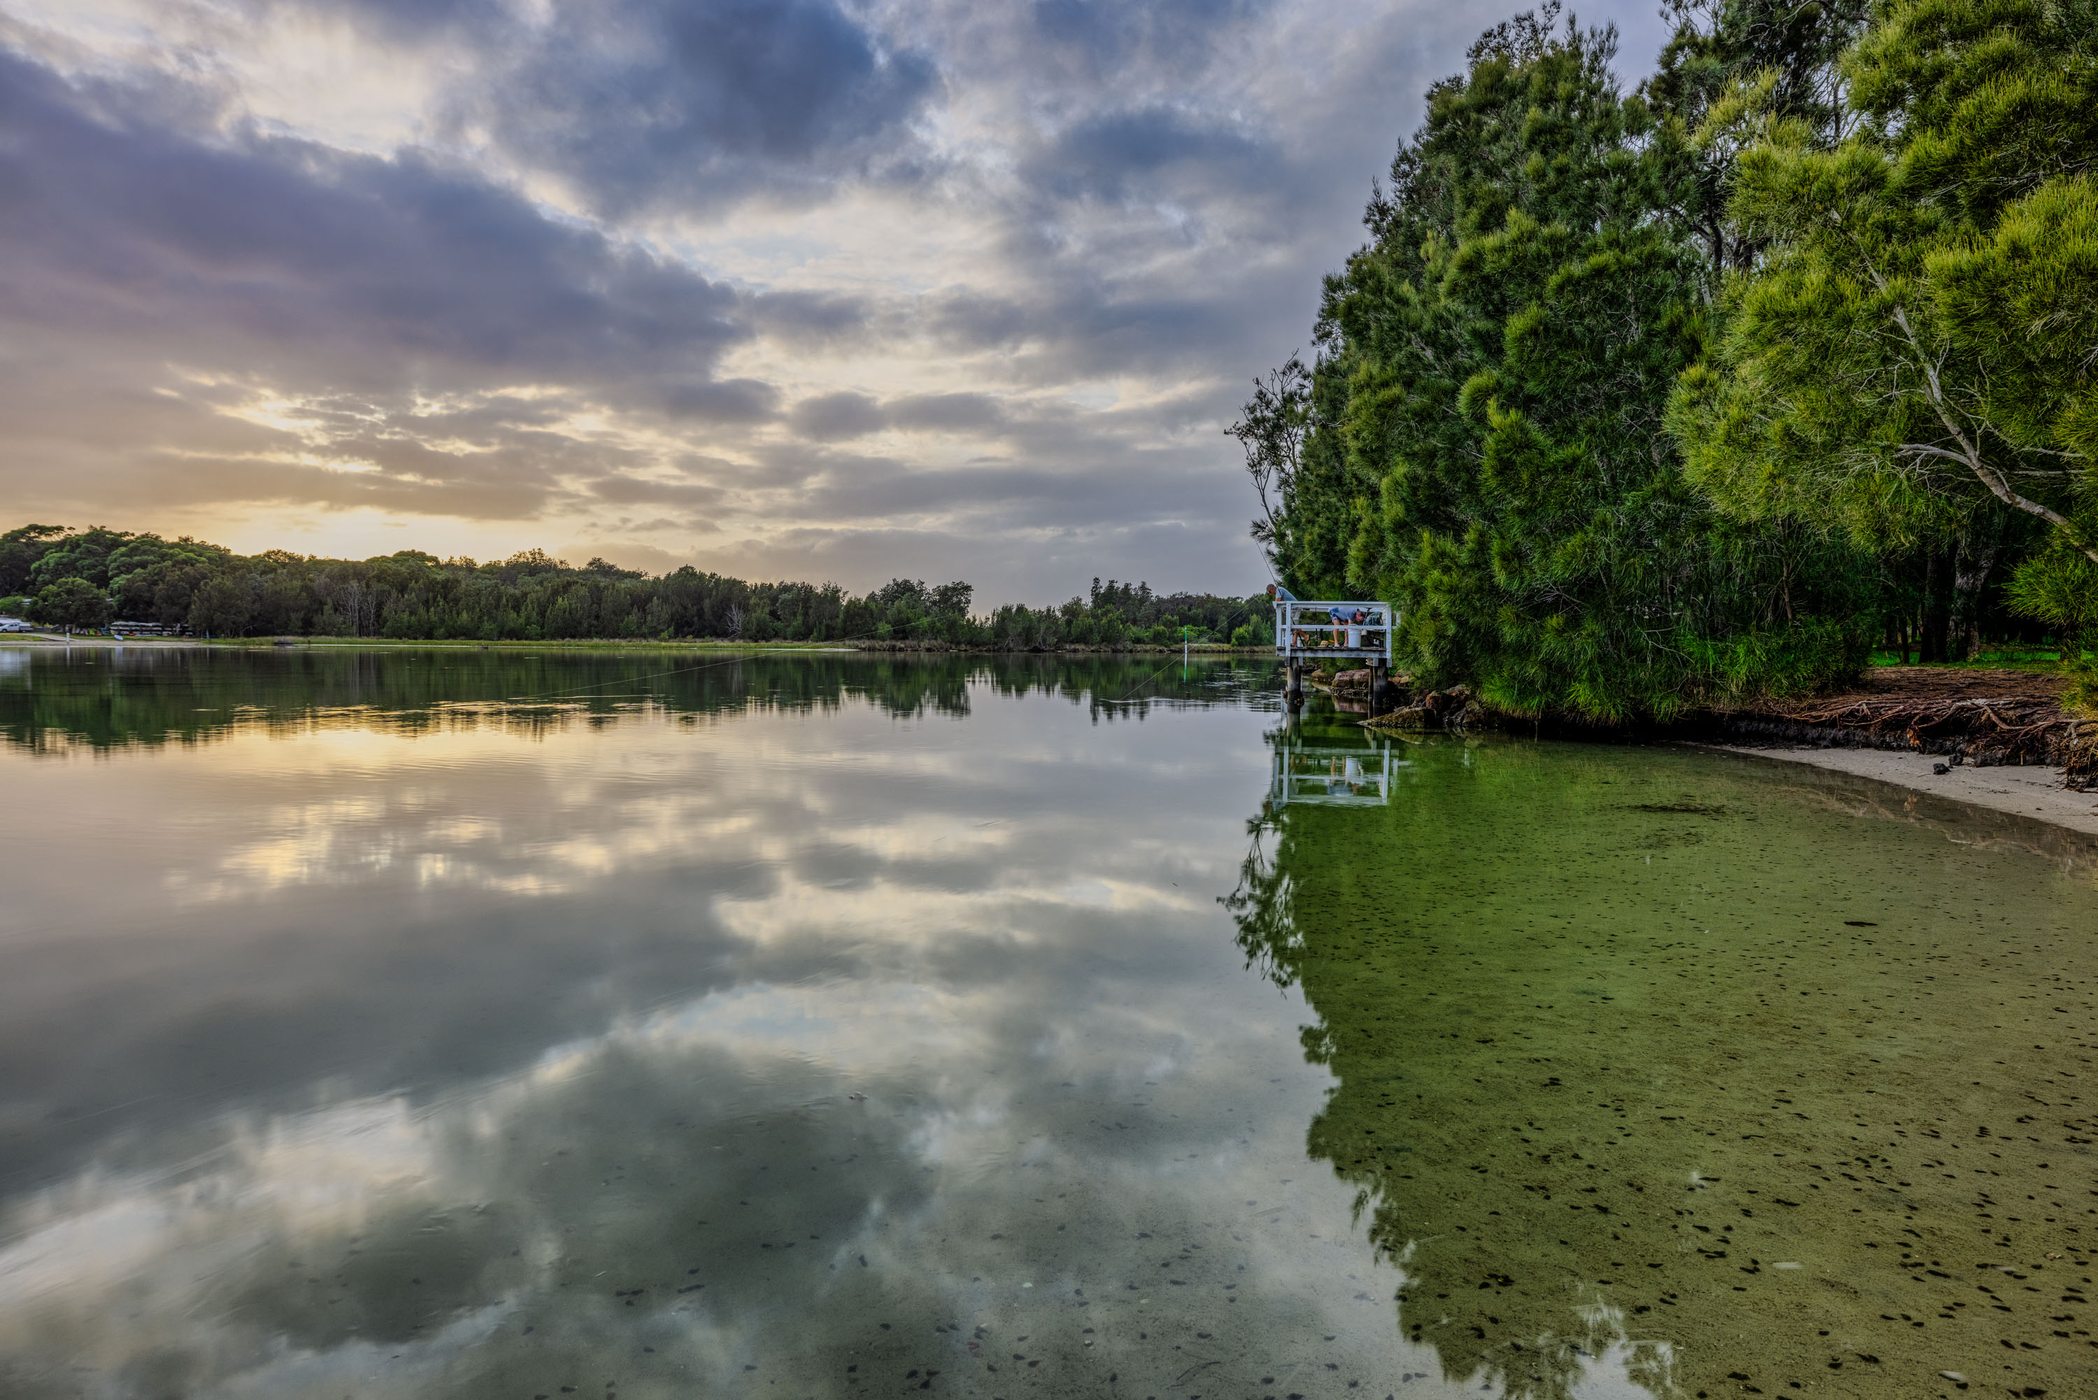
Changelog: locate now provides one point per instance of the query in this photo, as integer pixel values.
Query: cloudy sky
(785, 288)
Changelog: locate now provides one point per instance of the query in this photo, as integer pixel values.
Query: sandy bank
(2035, 792)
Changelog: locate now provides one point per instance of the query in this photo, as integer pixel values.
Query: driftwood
(1980, 717)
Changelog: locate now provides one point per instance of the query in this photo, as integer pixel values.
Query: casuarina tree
(1911, 358)
(1486, 443)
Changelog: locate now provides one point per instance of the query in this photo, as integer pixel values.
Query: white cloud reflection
(784, 1056)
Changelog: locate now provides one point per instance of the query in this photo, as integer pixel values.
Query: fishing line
(1146, 681)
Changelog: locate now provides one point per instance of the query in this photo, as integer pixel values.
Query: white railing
(1310, 628)
(1332, 776)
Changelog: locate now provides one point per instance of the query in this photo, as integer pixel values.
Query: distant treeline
(1638, 399)
(86, 579)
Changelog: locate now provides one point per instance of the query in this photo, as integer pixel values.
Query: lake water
(465, 1023)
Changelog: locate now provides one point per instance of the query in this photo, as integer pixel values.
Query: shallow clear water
(496, 1024)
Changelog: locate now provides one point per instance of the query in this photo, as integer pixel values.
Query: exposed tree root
(1981, 717)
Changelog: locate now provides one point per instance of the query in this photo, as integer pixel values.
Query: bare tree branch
(1970, 453)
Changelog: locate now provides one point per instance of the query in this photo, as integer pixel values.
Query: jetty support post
(1295, 694)
(1380, 688)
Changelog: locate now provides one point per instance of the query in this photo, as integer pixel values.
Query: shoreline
(2034, 792)
(45, 641)
(2004, 740)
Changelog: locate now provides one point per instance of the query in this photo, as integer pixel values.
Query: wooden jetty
(1308, 631)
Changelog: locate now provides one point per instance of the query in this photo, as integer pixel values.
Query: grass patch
(2042, 659)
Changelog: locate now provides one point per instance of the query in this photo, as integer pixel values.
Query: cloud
(1137, 154)
(635, 490)
(836, 417)
(811, 318)
(332, 292)
(1107, 37)
(369, 270)
(425, 18)
(488, 274)
(641, 102)
(949, 412)
(719, 401)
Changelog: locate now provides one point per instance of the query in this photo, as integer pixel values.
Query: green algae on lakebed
(1637, 1047)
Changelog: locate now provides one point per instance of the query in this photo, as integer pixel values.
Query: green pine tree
(1911, 358)
(1486, 444)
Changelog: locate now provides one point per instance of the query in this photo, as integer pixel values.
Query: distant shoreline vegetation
(84, 580)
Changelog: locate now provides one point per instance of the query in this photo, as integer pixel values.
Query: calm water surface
(494, 1024)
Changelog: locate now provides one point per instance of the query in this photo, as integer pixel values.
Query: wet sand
(2034, 792)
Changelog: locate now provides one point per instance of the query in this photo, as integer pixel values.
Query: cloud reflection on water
(392, 1048)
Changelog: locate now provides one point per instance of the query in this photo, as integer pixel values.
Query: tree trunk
(1973, 565)
(1935, 625)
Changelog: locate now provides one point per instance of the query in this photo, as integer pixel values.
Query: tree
(224, 605)
(153, 579)
(1779, 57)
(1910, 360)
(412, 594)
(1485, 444)
(74, 604)
(83, 556)
(1272, 430)
(20, 548)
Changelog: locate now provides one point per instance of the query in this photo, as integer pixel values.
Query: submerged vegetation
(1673, 1102)
(1635, 401)
(86, 579)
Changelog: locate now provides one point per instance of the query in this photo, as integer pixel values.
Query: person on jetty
(1278, 594)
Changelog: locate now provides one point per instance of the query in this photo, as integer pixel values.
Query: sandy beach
(2034, 791)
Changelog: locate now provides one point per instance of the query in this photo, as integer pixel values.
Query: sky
(814, 289)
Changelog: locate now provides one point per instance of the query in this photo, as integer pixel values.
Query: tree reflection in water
(54, 699)
(1635, 1083)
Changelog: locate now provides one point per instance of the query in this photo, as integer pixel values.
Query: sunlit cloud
(806, 289)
